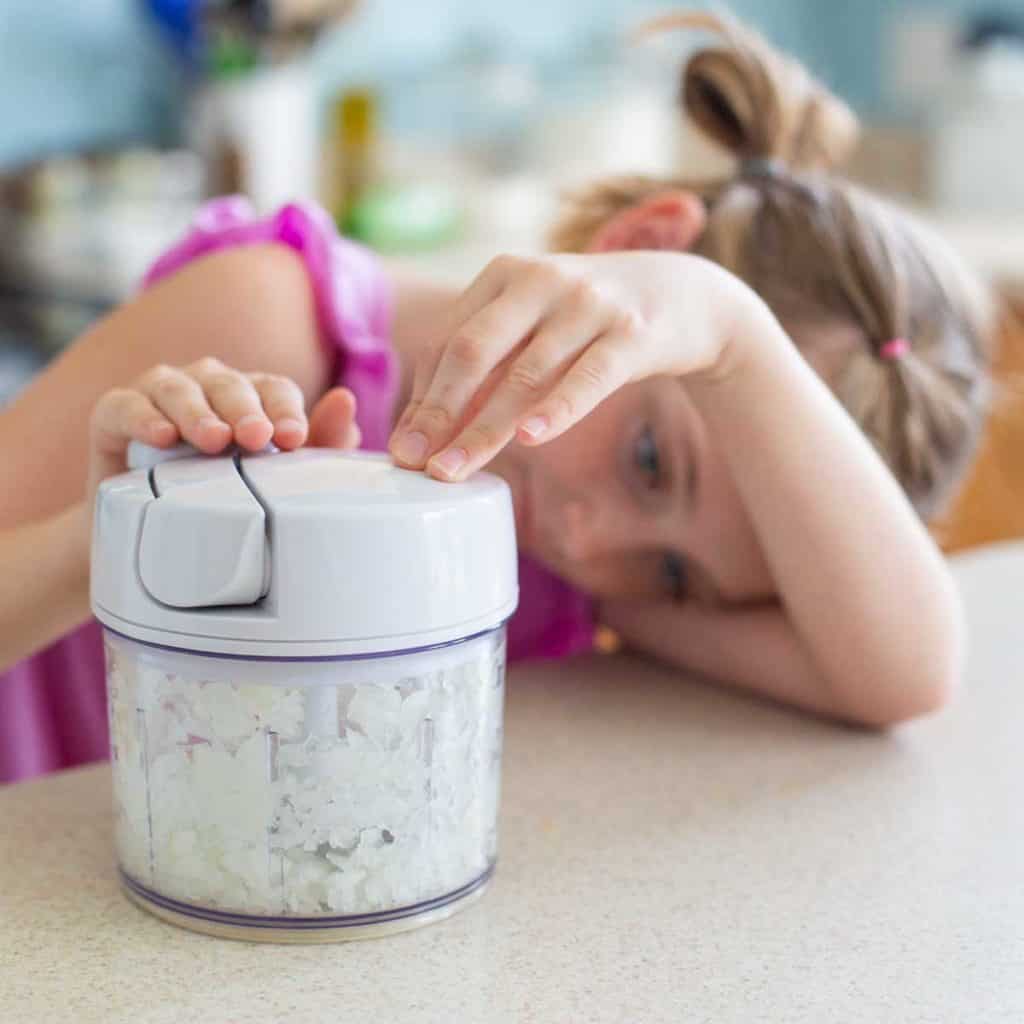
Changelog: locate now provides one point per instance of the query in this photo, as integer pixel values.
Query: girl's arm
(754, 649)
(864, 586)
(44, 565)
(44, 586)
(870, 627)
(251, 306)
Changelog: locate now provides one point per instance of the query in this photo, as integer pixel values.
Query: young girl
(713, 502)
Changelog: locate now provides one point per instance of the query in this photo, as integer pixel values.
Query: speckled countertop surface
(670, 853)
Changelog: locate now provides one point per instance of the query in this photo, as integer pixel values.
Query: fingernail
(450, 462)
(253, 417)
(289, 426)
(412, 448)
(211, 423)
(534, 427)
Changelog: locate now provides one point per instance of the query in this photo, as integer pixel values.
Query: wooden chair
(990, 506)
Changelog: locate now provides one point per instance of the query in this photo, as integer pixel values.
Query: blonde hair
(822, 252)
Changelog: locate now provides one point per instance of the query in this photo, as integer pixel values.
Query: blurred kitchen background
(441, 131)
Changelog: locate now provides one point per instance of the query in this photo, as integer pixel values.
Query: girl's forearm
(859, 577)
(44, 590)
(754, 649)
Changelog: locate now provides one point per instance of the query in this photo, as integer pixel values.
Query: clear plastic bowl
(311, 799)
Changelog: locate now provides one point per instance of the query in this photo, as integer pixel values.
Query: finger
(528, 377)
(485, 287)
(122, 416)
(480, 399)
(472, 353)
(602, 369)
(332, 422)
(284, 405)
(181, 399)
(483, 434)
(494, 314)
(406, 450)
(125, 415)
(233, 396)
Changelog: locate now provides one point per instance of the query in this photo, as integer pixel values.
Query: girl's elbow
(915, 700)
(929, 668)
(928, 685)
(889, 710)
(940, 667)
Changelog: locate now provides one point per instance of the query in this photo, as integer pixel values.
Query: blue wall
(79, 71)
(855, 31)
(73, 72)
(390, 35)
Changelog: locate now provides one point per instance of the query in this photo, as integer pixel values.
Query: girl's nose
(593, 529)
(580, 537)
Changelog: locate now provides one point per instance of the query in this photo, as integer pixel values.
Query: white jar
(306, 660)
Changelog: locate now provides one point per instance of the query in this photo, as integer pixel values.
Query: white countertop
(670, 853)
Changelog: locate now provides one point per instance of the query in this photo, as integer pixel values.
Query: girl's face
(636, 501)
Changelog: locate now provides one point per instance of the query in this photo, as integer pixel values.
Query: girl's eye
(647, 459)
(673, 576)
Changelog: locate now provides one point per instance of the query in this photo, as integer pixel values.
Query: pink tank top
(53, 705)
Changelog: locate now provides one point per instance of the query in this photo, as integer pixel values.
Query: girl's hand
(211, 406)
(534, 344)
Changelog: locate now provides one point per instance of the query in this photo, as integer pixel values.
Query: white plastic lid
(301, 554)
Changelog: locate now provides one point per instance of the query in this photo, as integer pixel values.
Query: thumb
(332, 423)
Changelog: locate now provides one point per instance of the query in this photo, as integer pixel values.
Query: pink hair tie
(894, 349)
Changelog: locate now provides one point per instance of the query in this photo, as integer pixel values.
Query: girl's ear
(668, 220)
